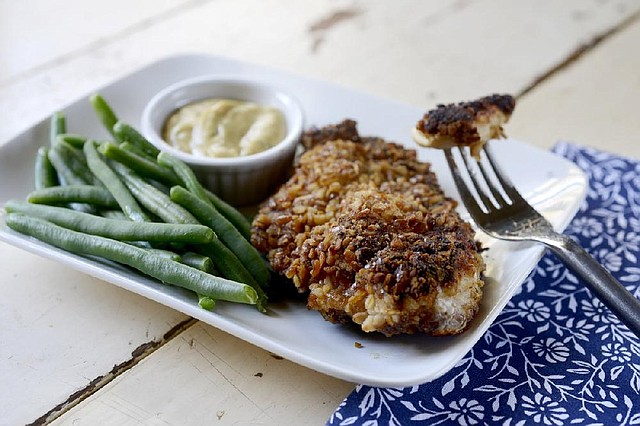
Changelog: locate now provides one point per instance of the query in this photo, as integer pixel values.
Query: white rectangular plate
(555, 186)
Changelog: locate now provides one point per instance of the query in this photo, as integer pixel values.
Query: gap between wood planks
(101, 42)
(146, 349)
(579, 53)
(138, 354)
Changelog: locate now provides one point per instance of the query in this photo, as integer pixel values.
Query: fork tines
(483, 187)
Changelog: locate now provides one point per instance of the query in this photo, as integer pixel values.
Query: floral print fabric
(555, 355)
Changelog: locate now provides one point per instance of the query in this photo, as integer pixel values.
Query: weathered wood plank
(416, 52)
(37, 34)
(593, 101)
(206, 376)
(60, 329)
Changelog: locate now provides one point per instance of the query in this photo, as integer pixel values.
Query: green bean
(190, 181)
(167, 271)
(104, 113)
(167, 254)
(140, 244)
(228, 234)
(226, 262)
(135, 149)
(184, 173)
(58, 125)
(45, 174)
(114, 214)
(231, 268)
(143, 166)
(232, 214)
(126, 133)
(71, 164)
(66, 173)
(152, 198)
(206, 302)
(110, 179)
(198, 261)
(239, 267)
(123, 230)
(71, 169)
(159, 186)
(161, 205)
(57, 195)
(77, 141)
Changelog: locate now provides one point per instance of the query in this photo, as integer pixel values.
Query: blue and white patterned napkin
(555, 355)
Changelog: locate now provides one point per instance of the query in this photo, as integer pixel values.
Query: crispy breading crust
(465, 124)
(346, 130)
(364, 228)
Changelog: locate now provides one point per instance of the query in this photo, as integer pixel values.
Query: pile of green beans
(125, 201)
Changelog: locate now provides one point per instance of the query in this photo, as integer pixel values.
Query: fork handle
(601, 283)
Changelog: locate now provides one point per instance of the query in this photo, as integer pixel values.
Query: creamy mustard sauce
(224, 128)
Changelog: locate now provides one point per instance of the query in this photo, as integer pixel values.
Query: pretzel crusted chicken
(364, 229)
(465, 124)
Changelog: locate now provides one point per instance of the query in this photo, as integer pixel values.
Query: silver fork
(498, 209)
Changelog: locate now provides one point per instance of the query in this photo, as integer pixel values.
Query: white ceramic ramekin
(244, 180)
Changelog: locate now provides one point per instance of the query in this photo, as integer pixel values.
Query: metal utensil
(498, 209)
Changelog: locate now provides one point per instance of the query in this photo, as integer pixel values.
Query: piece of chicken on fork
(469, 124)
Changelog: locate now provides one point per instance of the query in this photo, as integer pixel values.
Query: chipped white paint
(591, 102)
(60, 329)
(213, 377)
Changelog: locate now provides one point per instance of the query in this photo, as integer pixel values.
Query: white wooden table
(76, 350)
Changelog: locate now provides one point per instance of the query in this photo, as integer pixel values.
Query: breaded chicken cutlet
(469, 124)
(364, 229)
